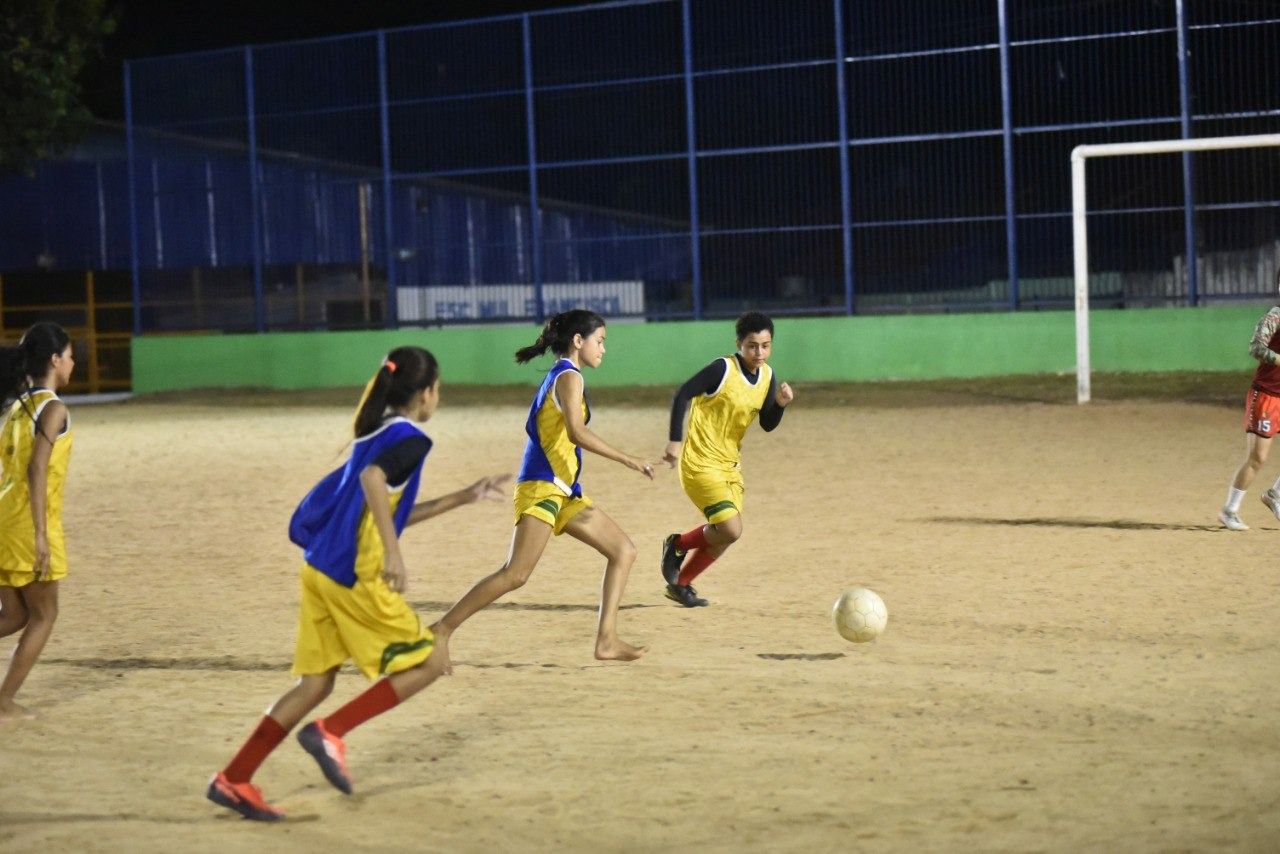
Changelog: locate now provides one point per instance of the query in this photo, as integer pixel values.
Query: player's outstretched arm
(489, 488)
(569, 393)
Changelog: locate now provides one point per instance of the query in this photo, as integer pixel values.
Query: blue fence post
(1006, 114)
(255, 197)
(842, 110)
(535, 209)
(691, 138)
(133, 200)
(1188, 184)
(388, 224)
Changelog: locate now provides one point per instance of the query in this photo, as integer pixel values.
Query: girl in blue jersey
(353, 579)
(548, 498)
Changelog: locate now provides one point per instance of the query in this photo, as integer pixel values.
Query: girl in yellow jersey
(549, 497)
(35, 447)
(353, 579)
(727, 395)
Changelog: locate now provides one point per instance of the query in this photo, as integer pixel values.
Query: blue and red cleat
(329, 751)
(244, 798)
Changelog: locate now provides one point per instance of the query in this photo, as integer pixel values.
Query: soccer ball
(859, 615)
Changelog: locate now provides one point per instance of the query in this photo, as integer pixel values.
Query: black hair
(753, 321)
(405, 372)
(30, 359)
(557, 335)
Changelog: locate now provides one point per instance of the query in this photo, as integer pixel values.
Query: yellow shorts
(543, 500)
(369, 623)
(716, 494)
(21, 578)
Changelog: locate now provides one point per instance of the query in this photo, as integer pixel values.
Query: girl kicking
(549, 497)
(727, 394)
(35, 447)
(352, 580)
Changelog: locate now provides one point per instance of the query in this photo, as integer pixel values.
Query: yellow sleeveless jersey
(17, 531)
(719, 420)
(549, 453)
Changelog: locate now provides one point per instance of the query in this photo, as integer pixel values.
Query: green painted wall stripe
(806, 349)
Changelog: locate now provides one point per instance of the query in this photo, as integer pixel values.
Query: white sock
(1234, 497)
(1276, 486)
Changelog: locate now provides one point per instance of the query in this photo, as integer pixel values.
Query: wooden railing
(97, 345)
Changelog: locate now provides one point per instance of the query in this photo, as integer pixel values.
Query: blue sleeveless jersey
(327, 522)
(549, 454)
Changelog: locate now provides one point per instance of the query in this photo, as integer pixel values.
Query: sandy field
(1077, 657)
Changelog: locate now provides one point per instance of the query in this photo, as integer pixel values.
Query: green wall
(834, 349)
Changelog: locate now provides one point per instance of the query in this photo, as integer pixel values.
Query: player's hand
(394, 574)
(643, 466)
(784, 394)
(671, 455)
(43, 565)
(491, 488)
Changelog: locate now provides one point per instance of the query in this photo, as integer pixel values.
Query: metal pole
(535, 211)
(91, 328)
(1080, 247)
(842, 109)
(691, 139)
(1006, 113)
(388, 226)
(1188, 183)
(133, 201)
(255, 196)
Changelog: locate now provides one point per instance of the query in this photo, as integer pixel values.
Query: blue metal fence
(692, 158)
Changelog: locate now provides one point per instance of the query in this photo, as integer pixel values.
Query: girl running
(35, 448)
(548, 496)
(727, 394)
(1261, 419)
(352, 580)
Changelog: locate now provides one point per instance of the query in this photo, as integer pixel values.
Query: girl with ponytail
(353, 579)
(549, 497)
(35, 447)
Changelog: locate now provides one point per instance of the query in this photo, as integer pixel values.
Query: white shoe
(1271, 498)
(1231, 519)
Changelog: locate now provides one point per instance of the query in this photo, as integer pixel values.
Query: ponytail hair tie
(389, 365)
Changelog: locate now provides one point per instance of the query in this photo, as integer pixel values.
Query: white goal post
(1080, 238)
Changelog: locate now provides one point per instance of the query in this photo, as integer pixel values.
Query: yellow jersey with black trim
(718, 421)
(549, 453)
(17, 443)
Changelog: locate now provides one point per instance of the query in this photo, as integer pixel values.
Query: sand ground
(1077, 657)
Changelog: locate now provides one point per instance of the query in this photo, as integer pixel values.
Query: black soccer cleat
(672, 557)
(685, 595)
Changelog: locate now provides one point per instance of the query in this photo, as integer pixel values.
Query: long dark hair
(30, 359)
(405, 372)
(557, 335)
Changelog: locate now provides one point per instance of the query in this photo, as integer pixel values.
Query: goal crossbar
(1080, 241)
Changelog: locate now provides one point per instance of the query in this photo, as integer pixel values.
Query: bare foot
(13, 712)
(618, 650)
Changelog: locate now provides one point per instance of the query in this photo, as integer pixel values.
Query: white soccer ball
(860, 615)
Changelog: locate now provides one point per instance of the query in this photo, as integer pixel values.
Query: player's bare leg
(307, 693)
(528, 542)
(596, 529)
(41, 601)
(1257, 449)
(13, 611)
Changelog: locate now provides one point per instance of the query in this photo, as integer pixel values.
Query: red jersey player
(1261, 418)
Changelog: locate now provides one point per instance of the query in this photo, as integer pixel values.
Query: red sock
(370, 704)
(259, 745)
(694, 566)
(695, 539)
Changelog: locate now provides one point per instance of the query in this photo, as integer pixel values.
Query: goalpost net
(1080, 237)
